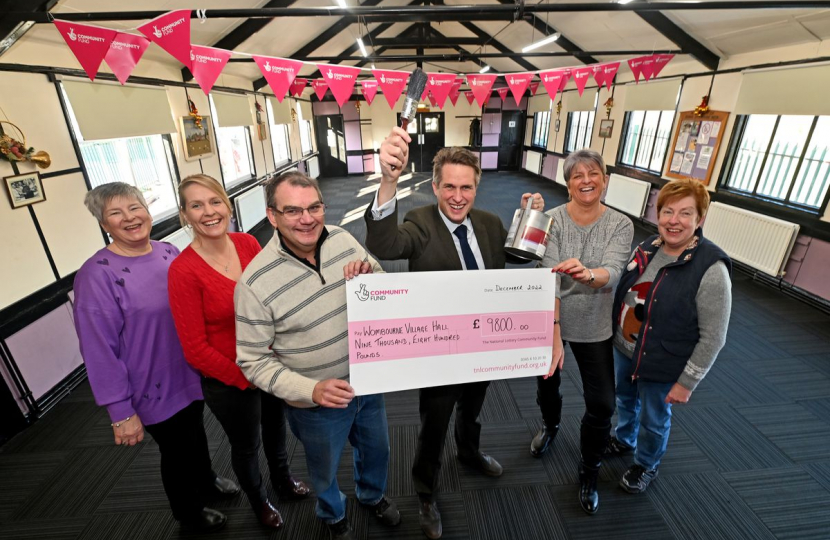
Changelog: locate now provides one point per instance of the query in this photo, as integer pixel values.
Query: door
(427, 132)
(510, 140)
(331, 144)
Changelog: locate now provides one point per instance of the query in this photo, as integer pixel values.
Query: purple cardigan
(128, 340)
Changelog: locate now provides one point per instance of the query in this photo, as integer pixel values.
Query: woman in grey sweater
(588, 248)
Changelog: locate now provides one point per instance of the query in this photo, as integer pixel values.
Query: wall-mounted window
(279, 131)
(234, 146)
(305, 137)
(541, 129)
(781, 158)
(645, 137)
(579, 130)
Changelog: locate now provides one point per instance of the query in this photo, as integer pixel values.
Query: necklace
(225, 266)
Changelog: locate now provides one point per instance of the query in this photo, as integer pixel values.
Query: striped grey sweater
(291, 326)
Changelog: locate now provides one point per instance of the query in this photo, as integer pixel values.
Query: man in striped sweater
(292, 341)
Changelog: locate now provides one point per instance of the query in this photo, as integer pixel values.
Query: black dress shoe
(269, 516)
(430, 519)
(541, 442)
(483, 463)
(225, 486)
(291, 489)
(208, 520)
(588, 495)
(341, 530)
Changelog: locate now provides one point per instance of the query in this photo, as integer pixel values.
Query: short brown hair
(454, 156)
(207, 182)
(294, 178)
(678, 189)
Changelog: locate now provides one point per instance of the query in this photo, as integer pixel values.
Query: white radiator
(533, 163)
(627, 194)
(250, 208)
(560, 172)
(313, 167)
(754, 239)
(181, 238)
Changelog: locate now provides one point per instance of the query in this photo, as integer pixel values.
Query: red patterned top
(201, 300)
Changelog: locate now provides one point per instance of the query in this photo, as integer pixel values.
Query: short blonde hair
(678, 189)
(205, 181)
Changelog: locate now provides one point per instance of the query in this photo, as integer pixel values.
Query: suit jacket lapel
(445, 241)
(482, 238)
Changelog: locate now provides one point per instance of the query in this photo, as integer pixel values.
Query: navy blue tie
(469, 258)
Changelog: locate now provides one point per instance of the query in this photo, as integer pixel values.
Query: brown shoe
(430, 519)
(292, 489)
(483, 463)
(269, 516)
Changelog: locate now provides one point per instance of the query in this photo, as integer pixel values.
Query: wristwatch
(590, 281)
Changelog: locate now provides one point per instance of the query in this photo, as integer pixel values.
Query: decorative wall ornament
(13, 147)
(197, 141)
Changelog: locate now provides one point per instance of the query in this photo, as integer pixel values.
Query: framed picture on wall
(556, 126)
(25, 189)
(197, 142)
(605, 128)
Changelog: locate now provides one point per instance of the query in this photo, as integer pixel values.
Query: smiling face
(300, 234)
(128, 222)
(586, 184)
(677, 221)
(205, 211)
(457, 191)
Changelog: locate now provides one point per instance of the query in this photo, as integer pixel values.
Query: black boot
(588, 495)
(543, 440)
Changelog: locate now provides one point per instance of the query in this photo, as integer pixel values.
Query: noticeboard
(694, 147)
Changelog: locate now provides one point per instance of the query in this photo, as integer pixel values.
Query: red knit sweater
(201, 300)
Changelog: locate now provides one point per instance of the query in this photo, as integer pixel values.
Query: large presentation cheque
(420, 329)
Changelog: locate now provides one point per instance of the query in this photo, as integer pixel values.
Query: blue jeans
(644, 417)
(324, 431)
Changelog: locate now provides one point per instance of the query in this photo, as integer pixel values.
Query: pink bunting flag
(455, 91)
(470, 97)
(660, 61)
(609, 71)
(434, 102)
(502, 92)
(566, 76)
(647, 69)
(424, 94)
(206, 65)
(439, 86)
(298, 86)
(581, 76)
(480, 85)
(88, 43)
(320, 86)
(534, 86)
(124, 53)
(636, 65)
(518, 82)
(598, 74)
(341, 80)
(552, 80)
(392, 83)
(171, 32)
(279, 73)
(370, 89)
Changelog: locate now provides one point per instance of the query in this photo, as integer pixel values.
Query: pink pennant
(279, 73)
(502, 92)
(171, 32)
(470, 97)
(424, 94)
(660, 61)
(434, 102)
(566, 76)
(124, 53)
(534, 86)
(597, 70)
(298, 86)
(647, 69)
(439, 86)
(370, 89)
(88, 43)
(320, 86)
(552, 80)
(581, 76)
(517, 82)
(392, 83)
(636, 65)
(455, 91)
(341, 80)
(609, 71)
(481, 85)
(206, 65)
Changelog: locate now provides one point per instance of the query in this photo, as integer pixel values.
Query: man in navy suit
(449, 235)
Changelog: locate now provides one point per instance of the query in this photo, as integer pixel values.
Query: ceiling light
(342, 3)
(362, 47)
(542, 42)
(485, 69)
(624, 1)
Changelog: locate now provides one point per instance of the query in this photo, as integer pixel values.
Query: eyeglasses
(295, 212)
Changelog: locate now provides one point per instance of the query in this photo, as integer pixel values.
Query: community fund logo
(72, 35)
(364, 294)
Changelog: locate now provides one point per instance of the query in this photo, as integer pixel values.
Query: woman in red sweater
(201, 282)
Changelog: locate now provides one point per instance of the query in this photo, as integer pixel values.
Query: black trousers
(185, 460)
(596, 367)
(436, 406)
(241, 414)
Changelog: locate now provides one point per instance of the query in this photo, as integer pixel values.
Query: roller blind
(537, 104)
(233, 110)
(572, 101)
(106, 111)
(282, 111)
(652, 96)
(785, 91)
(305, 110)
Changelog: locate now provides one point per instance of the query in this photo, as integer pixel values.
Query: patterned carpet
(748, 457)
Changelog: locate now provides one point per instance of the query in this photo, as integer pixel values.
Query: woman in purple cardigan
(133, 357)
